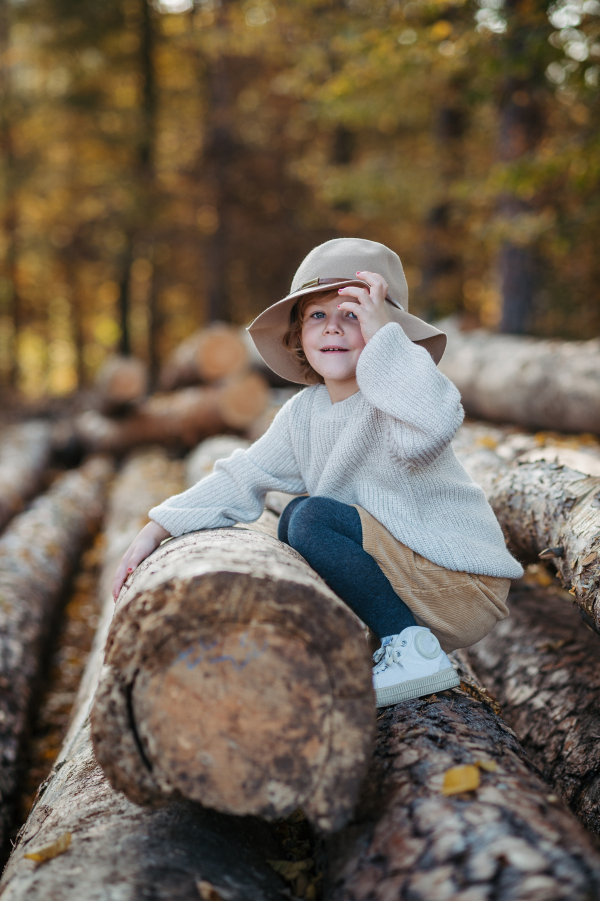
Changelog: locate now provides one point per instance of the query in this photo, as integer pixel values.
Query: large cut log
(120, 382)
(236, 678)
(537, 383)
(210, 354)
(453, 810)
(543, 666)
(24, 456)
(114, 849)
(546, 510)
(37, 554)
(180, 418)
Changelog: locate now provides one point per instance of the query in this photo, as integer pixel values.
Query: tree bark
(207, 356)
(121, 381)
(180, 418)
(37, 554)
(24, 458)
(546, 509)
(119, 850)
(536, 383)
(508, 838)
(544, 668)
(235, 626)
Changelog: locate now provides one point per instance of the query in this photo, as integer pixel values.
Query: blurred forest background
(168, 164)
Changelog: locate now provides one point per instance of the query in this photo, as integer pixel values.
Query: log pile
(96, 842)
(37, 554)
(453, 809)
(120, 383)
(536, 383)
(546, 511)
(235, 625)
(24, 457)
(207, 356)
(543, 666)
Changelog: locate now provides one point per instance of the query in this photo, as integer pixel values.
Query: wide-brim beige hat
(330, 266)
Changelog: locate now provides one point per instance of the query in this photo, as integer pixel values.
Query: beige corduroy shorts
(460, 608)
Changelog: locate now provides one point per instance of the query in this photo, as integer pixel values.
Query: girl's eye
(318, 315)
(352, 315)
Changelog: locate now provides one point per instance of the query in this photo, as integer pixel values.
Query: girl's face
(332, 340)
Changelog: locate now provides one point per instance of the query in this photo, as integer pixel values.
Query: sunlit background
(165, 165)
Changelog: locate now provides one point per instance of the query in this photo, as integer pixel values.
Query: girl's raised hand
(141, 547)
(369, 305)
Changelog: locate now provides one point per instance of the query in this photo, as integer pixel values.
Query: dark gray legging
(328, 534)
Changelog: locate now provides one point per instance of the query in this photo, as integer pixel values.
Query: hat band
(314, 282)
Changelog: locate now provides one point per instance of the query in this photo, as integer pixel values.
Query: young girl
(389, 518)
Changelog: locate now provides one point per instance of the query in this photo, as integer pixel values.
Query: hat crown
(344, 257)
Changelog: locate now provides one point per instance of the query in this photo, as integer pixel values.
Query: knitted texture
(385, 448)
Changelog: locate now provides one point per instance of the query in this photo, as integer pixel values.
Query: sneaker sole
(416, 688)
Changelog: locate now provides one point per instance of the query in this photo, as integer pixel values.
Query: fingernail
(130, 570)
(339, 305)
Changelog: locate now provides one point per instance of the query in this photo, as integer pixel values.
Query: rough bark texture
(120, 382)
(24, 457)
(543, 666)
(536, 383)
(507, 839)
(118, 851)
(206, 356)
(37, 553)
(180, 418)
(234, 625)
(548, 507)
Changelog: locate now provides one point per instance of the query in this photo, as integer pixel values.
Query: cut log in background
(210, 354)
(120, 382)
(116, 849)
(37, 554)
(182, 418)
(544, 509)
(540, 384)
(24, 458)
(543, 666)
(507, 837)
(235, 625)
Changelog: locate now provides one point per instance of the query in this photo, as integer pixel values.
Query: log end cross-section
(236, 678)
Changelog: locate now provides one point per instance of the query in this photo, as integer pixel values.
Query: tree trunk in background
(441, 286)
(520, 130)
(543, 666)
(24, 459)
(119, 850)
(502, 836)
(37, 554)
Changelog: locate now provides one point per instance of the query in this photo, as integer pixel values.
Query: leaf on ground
(291, 869)
(490, 766)
(48, 852)
(461, 779)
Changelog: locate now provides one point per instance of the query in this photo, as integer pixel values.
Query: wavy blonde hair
(292, 339)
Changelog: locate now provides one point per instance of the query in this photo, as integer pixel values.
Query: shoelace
(389, 654)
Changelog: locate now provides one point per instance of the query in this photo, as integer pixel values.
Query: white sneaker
(410, 665)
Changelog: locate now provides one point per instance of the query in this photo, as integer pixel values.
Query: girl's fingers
(350, 307)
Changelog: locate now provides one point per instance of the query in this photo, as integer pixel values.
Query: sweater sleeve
(400, 378)
(235, 491)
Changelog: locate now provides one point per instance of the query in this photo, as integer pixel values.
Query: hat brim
(268, 329)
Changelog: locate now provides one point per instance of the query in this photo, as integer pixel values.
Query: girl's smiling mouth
(331, 349)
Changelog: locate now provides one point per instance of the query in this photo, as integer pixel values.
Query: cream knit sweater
(385, 448)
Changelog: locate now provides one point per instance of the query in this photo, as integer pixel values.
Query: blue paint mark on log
(198, 653)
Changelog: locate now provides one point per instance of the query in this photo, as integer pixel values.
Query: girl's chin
(337, 373)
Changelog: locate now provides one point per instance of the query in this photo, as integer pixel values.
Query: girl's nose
(332, 325)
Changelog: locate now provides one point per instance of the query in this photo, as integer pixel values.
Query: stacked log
(97, 843)
(453, 810)
(37, 554)
(233, 625)
(544, 668)
(546, 511)
(24, 457)
(182, 418)
(536, 383)
(206, 356)
(121, 382)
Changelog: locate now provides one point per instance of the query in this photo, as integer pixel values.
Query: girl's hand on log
(368, 306)
(141, 547)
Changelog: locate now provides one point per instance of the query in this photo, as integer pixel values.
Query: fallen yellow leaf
(47, 852)
(461, 779)
(490, 766)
